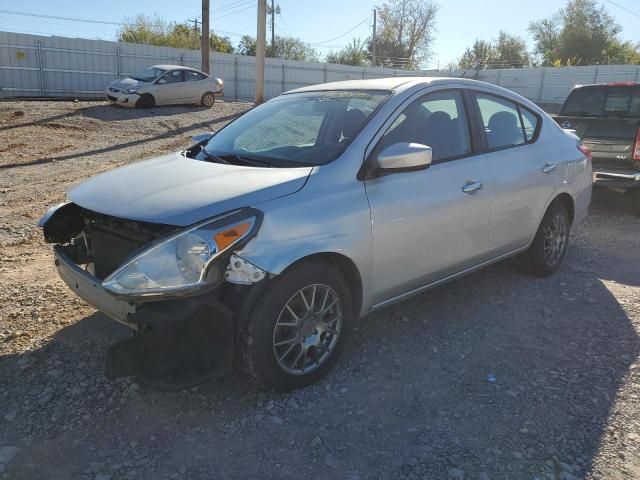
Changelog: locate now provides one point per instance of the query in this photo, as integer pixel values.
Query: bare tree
(406, 32)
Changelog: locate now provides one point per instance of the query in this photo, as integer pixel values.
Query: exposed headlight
(219, 82)
(183, 261)
(132, 90)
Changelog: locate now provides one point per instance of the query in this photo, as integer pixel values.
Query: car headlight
(219, 82)
(184, 261)
(132, 90)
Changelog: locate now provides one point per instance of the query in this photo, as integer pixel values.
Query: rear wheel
(297, 329)
(549, 246)
(208, 99)
(146, 101)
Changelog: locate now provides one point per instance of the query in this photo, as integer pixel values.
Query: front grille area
(112, 98)
(112, 240)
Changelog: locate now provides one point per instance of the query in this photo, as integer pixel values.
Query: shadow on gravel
(174, 132)
(497, 373)
(42, 121)
(112, 113)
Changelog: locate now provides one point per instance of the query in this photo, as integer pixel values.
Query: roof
(173, 67)
(388, 83)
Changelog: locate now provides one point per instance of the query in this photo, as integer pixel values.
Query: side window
(529, 122)
(173, 76)
(191, 76)
(501, 121)
(437, 120)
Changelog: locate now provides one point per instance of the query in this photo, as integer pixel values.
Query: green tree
(157, 31)
(353, 54)
(582, 33)
(511, 51)
(507, 51)
(405, 36)
(288, 48)
(247, 46)
(478, 56)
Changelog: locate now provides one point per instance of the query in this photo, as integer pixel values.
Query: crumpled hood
(176, 190)
(125, 83)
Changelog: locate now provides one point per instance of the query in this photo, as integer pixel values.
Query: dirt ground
(496, 376)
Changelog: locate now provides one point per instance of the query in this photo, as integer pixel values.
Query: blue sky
(319, 23)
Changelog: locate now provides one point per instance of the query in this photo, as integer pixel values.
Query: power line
(235, 12)
(342, 35)
(623, 8)
(232, 5)
(54, 17)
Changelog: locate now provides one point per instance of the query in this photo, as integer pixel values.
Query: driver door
(431, 223)
(170, 88)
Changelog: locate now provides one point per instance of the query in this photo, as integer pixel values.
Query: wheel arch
(154, 101)
(567, 201)
(345, 266)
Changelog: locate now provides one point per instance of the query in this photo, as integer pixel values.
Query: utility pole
(195, 22)
(373, 48)
(273, 11)
(205, 36)
(273, 30)
(261, 50)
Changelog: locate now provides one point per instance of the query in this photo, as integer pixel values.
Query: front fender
(310, 222)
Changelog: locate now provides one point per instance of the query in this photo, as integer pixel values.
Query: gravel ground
(495, 376)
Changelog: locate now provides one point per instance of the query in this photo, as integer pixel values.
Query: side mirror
(402, 157)
(161, 81)
(201, 137)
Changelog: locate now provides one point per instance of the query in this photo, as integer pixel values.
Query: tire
(635, 199)
(208, 100)
(549, 246)
(282, 353)
(146, 101)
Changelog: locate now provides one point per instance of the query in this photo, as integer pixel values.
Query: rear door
(524, 170)
(196, 84)
(431, 223)
(606, 118)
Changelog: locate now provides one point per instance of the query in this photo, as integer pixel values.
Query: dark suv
(607, 119)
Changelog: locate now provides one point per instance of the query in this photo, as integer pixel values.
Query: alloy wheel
(555, 239)
(208, 100)
(307, 329)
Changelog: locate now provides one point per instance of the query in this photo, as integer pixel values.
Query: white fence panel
(38, 66)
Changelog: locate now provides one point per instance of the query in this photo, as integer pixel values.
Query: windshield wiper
(234, 158)
(215, 158)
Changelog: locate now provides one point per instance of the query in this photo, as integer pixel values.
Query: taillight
(636, 147)
(587, 153)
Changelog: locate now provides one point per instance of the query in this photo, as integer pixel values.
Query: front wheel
(146, 101)
(297, 329)
(549, 246)
(208, 99)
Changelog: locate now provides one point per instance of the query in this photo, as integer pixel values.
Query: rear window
(603, 101)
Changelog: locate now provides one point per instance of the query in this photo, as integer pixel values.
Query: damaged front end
(162, 281)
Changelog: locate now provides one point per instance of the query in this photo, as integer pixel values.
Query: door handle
(549, 167)
(472, 187)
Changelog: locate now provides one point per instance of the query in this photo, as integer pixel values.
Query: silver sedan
(272, 236)
(165, 85)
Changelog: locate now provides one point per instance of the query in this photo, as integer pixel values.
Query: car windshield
(300, 129)
(603, 101)
(148, 74)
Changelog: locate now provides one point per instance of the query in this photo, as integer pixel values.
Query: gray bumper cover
(89, 288)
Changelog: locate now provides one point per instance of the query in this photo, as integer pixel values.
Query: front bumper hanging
(177, 343)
